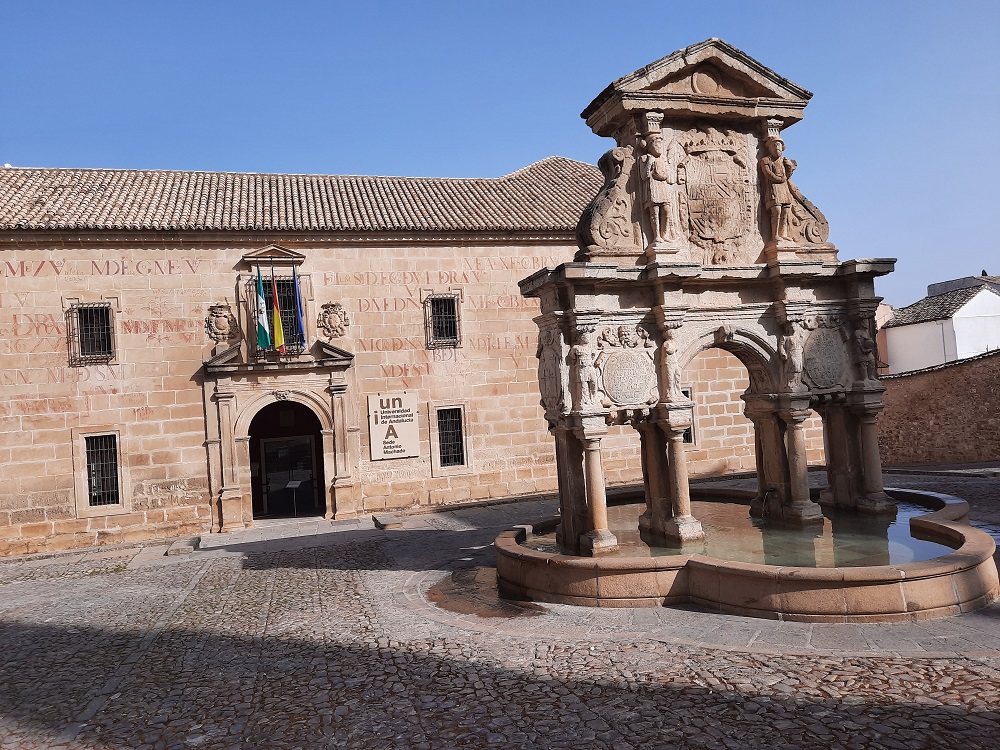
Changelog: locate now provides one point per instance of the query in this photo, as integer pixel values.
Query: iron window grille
(102, 470)
(689, 432)
(294, 341)
(451, 440)
(91, 333)
(441, 320)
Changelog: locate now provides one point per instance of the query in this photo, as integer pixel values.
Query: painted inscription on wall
(393, 431)
(118, 267)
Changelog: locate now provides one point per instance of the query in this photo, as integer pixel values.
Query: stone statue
(605, 227)
(550, 375)
(866, 353)
(663, 178)
(583, 374)
(673, 369)
(775, 171)
(791, 352)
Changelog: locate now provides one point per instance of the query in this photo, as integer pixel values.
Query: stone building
(140, 403)
(956, 320)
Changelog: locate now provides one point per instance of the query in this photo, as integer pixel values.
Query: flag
(279, 332)
(300, 316)
(263, 332)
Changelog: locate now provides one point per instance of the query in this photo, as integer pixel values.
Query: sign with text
(393, 431)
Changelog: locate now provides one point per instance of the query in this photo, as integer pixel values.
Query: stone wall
(945, 414)
(152, 393)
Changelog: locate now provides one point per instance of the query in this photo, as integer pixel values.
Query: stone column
(573, 516)
(772, 475)
(598, 539)
(874, 500)
(800, 508)
(654, 458)
(673, 419)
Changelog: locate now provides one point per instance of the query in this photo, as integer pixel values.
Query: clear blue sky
(899, 146)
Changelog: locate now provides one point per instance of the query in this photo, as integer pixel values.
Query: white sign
(393, 431)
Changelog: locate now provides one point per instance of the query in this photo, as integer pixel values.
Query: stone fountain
(699, 238)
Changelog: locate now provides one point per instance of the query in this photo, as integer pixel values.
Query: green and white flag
(263, 332)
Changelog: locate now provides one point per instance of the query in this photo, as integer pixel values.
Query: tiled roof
(937, 307)
(548, 195)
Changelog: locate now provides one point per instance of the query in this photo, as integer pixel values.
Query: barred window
(294, 339)
(441, 320)
(90, 331)
(689, 432)
(451, 441)
(102, 470)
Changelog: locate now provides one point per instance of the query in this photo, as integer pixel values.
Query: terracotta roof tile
(548, 195)
(936, 307)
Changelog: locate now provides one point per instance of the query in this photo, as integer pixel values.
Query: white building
(957, 319)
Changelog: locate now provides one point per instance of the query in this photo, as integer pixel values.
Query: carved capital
(669, 319)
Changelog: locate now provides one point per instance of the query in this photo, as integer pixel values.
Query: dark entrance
(286, 462)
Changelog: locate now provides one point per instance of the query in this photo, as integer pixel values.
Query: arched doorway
(286, 462)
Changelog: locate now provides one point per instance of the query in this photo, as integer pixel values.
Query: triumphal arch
(700, 238)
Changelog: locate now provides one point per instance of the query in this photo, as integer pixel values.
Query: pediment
(335, 352)
(711, 79)
(274, 255)
(712, 68)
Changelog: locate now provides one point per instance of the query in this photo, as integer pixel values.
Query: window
(441, 320)
(101, 478)
(287, 298)
(448, 432)
(451, 441)
(689, 432)
(102, 470)
(90, 330)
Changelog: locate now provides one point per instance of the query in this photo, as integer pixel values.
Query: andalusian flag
(279, 332)
(263, 332)
(298, 310)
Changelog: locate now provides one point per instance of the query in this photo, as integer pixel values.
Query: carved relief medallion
(333, 320)
(629, 376)
(220, 325)
(825, 358)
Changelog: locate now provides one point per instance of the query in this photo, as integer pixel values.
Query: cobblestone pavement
(307, 635)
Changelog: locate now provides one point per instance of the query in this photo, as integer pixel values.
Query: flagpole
(278, 334)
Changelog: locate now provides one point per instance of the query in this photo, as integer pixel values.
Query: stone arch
(751, 349)
(319, 407)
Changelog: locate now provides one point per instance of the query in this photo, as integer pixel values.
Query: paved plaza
(306, 634)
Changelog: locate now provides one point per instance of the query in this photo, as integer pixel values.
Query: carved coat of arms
(220, 325)
(333, 321)
(719, 191)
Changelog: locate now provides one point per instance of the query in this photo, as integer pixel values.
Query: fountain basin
(960, 581)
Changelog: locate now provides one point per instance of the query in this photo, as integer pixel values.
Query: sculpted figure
(583, 373)
(627, 337)
(673, 369)
(866, 353)
(549, 372)
(775, 171)
(791, 354)
(664, 180)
